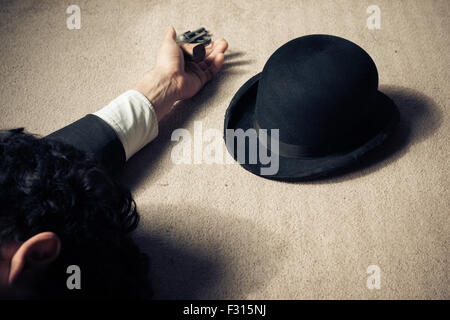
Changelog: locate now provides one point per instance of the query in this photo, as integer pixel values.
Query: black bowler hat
(321, 92)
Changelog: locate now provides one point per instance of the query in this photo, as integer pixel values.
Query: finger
(215, 47)
(209, 70)
(171, 34)
(194, 68)
(220, 46)
(203, 65)
(217, 64)
(209, 74)
(209, 48)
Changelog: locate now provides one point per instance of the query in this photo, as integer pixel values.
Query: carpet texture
(215, 230)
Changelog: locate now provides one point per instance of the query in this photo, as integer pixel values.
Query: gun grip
(193, 51)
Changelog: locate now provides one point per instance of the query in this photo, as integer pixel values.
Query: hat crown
(318, 91)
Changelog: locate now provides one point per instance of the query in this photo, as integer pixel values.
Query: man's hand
(174, 79)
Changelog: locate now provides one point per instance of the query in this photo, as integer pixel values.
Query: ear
(39, 250)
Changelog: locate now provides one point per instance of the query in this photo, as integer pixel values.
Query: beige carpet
(217, 231)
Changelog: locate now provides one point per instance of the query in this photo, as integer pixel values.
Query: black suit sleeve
(93, 135)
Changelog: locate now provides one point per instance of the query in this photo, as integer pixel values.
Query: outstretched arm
(120, 129)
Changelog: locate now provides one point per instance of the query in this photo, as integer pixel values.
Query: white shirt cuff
(133, 118)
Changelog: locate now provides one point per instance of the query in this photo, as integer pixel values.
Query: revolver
(193, 44)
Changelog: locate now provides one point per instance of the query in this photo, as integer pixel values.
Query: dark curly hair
(46, 185)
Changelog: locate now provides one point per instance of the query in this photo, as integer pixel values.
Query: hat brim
(240, 115)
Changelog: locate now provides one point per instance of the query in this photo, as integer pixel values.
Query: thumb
(170, 34)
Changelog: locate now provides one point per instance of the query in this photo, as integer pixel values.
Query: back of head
(46, 185)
